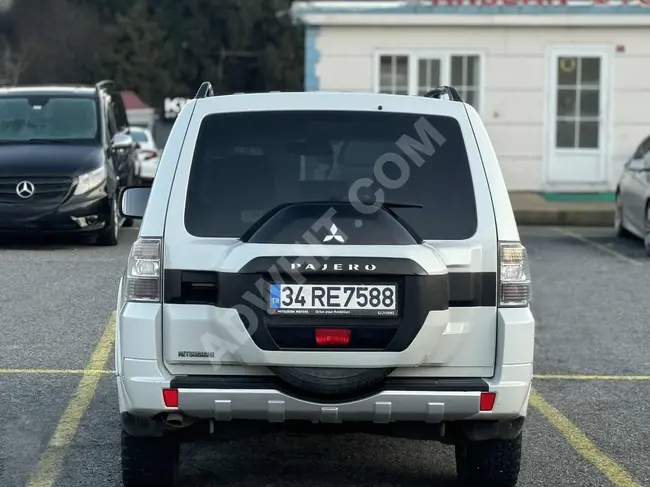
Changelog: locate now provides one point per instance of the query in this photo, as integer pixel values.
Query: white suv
(324, 261)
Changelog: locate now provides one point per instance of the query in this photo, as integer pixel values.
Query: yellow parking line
(591, 377)
(55, 372)
(582, 444)
(607, 250)
(50, 463)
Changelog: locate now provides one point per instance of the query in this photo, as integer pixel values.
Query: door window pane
(589, 103)
(566, 103)
(588, 135)
(565, 135)
(590, 71)
(567, 71)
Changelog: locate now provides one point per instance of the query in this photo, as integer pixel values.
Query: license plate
(331, 300)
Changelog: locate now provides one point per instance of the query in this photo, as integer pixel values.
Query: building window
(429, 73)
(394, 75)
(465, 77)
(578, 103)
(415, 74)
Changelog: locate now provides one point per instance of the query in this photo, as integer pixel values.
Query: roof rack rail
(205, 90)
(104, 83)
(450, 91)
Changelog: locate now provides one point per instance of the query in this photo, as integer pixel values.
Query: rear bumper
(275, 406)
(422, 400)
(423, 393)
(148, 169)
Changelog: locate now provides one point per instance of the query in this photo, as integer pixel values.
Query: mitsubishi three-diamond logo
(334, 235)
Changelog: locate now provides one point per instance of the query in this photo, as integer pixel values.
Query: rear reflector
(170, 396)
(332, 337)
(487, 401)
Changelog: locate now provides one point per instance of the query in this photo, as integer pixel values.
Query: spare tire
(332, 382)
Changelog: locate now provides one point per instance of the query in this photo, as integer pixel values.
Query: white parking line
(600, 247)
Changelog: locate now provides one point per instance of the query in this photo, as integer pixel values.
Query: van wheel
(489, 463)
(109, 235)
(149, 462)
(128, 222)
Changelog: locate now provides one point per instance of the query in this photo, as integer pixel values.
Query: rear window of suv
(245, 164)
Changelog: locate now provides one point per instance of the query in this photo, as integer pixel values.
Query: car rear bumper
(229, 398)
(427, 392)
(148, 169)
(77, 215)
(275, 406)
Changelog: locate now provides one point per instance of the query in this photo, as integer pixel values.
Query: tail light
(332, 337)
(149, 154)
(143, 281)
(514, 276)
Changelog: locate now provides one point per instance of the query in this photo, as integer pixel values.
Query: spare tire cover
(332, 382)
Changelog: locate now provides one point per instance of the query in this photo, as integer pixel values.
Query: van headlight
(90, 180)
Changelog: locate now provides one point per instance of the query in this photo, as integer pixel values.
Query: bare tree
(14, 61)
(54, 43)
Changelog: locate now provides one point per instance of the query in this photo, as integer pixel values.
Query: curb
(577, 218)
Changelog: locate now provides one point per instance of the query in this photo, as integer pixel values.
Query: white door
(579, 119)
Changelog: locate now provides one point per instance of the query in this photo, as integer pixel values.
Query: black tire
(646, 229)
(332, 383)
(149, 462)
(619, 229)
(489, 463)
(109, 235)
(128, 222)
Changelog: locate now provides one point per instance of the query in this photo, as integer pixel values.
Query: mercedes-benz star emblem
(25, 189)
(334, 235)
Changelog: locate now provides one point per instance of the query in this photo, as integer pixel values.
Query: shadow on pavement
(42, 242)
(318, 461)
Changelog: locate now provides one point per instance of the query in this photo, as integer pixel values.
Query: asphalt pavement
(588, 418)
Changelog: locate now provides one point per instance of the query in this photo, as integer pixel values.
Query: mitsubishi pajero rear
(323, 262)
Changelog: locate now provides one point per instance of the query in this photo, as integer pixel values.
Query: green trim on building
(579, 197)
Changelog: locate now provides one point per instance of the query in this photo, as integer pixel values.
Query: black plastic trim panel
(272, 382)
(418, 294)
(344, 266)
(466, 289)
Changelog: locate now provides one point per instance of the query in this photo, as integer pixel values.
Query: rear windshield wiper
(397, 204)
(386, 204)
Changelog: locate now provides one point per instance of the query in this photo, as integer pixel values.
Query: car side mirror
(133, 201)
(122, 141)
(636, 165)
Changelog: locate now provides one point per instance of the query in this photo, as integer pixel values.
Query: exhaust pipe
(175, 420)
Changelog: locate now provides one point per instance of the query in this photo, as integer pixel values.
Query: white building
(563, 87)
